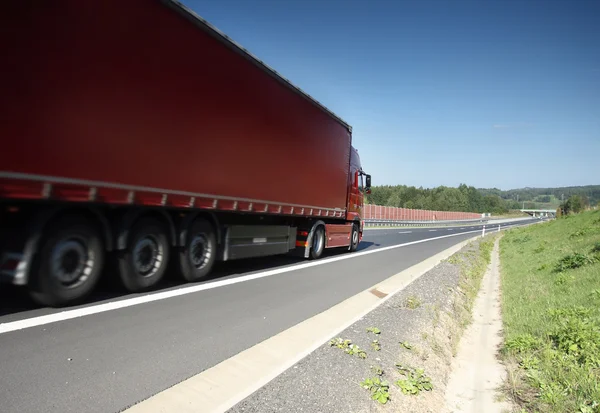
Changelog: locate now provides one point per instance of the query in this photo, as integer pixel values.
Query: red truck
(134, 130)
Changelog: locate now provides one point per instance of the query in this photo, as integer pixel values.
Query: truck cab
(359, 185)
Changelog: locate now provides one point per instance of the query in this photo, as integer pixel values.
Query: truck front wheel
(354, 238)
(69, 263)
(198, 255)
(317, 243)
(144, 262)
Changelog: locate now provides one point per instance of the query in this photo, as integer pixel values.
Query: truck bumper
(12, 269)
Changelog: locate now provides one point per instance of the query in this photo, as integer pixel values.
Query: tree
(574, 204)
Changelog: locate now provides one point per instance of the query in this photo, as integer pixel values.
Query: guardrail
(371, 223)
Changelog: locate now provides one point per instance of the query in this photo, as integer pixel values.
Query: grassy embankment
(551, 313)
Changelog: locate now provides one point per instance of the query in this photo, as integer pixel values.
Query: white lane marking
(148, 298)
(449, 229)
(432, 230)
(405, 232)
(462, 228)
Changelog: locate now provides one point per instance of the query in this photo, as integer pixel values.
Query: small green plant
(529, 362)
(379, 389)
(563, 279)
(340, 343)
(521, 240)
(375, 345)
(413, 302)
(415, 381)
(455, 259)
(578, 337)
(595, 293)
(575, 311)
(596, 247)
(348, 347)
(354, 349)
(377, 370)
(373, 330)
(572, 261)
(522, 343)
(579, 234)
(406, 345)
(589, 407)
(542, 267)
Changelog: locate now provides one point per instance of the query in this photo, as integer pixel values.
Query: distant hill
(546, 197)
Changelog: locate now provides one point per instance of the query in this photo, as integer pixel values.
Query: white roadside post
(483, 231)
(498, 227)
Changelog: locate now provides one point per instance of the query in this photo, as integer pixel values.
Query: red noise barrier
(377, 212)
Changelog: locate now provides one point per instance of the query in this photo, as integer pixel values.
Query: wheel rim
(147, 255)
(72, 262)
(318, 241)
(355, 237)
(200, 251)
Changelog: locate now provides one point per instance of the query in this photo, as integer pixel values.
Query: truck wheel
(318, 243)
(198, 255)
(144, 262)
(69, 263)
(354, 238)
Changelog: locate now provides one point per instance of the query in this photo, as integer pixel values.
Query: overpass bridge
(540, 212)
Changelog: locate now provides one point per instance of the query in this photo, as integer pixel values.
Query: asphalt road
(109, 360)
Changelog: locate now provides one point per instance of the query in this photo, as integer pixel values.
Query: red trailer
(137, 130)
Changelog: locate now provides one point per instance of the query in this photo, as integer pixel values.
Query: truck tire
(197, 256)
(318, 243)
(69, 263)
(143, 264)
(354, 238)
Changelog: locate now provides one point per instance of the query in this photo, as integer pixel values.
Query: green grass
(551, 313)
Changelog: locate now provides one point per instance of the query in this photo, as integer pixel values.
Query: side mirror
(368, 184)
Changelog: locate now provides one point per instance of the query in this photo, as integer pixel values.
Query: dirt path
(476, 371)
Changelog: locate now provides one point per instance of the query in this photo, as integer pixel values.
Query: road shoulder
(408, 342)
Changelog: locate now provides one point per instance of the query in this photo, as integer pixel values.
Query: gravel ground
(328, 380)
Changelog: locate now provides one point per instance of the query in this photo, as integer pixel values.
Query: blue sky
(491, 93)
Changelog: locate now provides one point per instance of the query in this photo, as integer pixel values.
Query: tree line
(470, 199)
(442, 198)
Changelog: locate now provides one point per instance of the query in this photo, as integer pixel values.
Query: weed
(413, 302)
(572, 261)
(340, 343)
(578, 337)
(354, 349)
(529, 362)
(579, 234)
(379, 389)
(373, 330)
(406, 345)
(542, 267)
(455, 259)
(563, 279)
(521, 240)
(522, 343)
(348, 347)
(575, 311)
(596, 247)
(375, 345)
(552, 393)
(377, 370)
(415, 380)
(595, 293)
